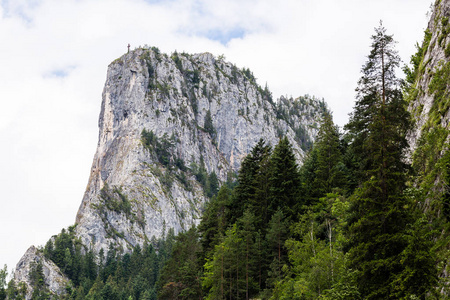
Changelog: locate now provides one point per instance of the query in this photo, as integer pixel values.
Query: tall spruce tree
(214, 222)
(284, 181)
(381, 214)
(180, 277)
(250, 190)
(329, 173)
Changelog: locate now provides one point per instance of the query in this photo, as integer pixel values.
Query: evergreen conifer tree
(3, 275)
(284, 180)
(214, 222)
(180, 277)
(247, 234)
(380, 211)
(248, 187)
(328, 172)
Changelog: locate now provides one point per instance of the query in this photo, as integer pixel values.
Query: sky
(54, 57)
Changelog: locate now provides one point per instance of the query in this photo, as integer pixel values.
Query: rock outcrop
(54, 280)
(429, 103)
(168, 125)
(429, 98)
(171, 129)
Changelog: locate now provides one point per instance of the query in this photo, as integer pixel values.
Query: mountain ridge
(171, 129)
(172, 96)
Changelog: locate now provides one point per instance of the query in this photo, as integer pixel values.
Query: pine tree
(276, 237)
(380, 120)
(329, 173)
(245, 192)
(208, 125)
(224, 276)
(308, 177)
(37, 280)
(214, 222)
(381, 213)
(284, 180)
(3, 275)
(259, 201)
(180, 276)
(247, 234)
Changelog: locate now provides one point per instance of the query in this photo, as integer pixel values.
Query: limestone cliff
(171, 128)
(429, 102)
(169, 125)
(428, 94)
(430, 91)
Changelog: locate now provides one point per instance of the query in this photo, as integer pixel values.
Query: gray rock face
(55, 280)
(135, 192)
(200, 117)
(424, 107)
(430, 107)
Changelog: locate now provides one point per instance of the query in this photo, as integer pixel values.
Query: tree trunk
(221, 278)
(331, 249)
(246, 275)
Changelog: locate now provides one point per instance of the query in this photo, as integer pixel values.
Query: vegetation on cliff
(358, 220)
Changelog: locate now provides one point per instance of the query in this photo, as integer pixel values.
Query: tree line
(345, 225)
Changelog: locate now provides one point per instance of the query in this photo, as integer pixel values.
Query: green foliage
(284, 180)
(164, 88)
(180, 277)
(447, 50)
(379, 237)
(317, 264)
(225, 271)
(114, 199)
(16, 292)
(329, 171)
(430, 164)
(253, 189)
(193, 76)
(161, 147)
(214, 222)
(267, 94)
(304, 107)
(441, 103)
(37, 282)
(196, 77)
(177, 61)
(150, 69)
(244, 225)
(417, 62)
(342, 226)
(209, 182)
(277, 233)
(249, 75)
(428, 155)
(445, 199)
(208, 125)
(71, 257)
(116, 276)
(193, 102)
(213, 185)
(445, 30)
(3, 275)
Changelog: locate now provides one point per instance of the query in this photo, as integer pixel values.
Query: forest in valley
(349, 223)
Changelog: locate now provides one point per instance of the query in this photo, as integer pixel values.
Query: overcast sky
(54, 56)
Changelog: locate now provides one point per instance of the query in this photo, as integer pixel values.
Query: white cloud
(55, 54)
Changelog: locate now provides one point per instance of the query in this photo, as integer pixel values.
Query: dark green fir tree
(381, 215)
(329, 172)
(250, 191)
(284, 181)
